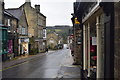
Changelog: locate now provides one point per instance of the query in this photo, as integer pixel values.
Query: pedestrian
(46, 49)
(24, 53)
(72, 49)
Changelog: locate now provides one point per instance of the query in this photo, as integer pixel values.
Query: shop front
(91, 17)
(12, 44)
(3, 42)
(23, 46)
(98, 38)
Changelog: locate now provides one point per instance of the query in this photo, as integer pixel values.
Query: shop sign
(94, 41)
(76, 21)
(22, 40)
(26, 40)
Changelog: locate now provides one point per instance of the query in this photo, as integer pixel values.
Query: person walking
(46, 49)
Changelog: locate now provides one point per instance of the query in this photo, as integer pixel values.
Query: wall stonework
(77, 46)
(52, 37)
(36, 22)
(1, 11)
(12, 35)
(117, 41)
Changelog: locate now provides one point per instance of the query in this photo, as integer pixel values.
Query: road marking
(13, 66)
(19, 64)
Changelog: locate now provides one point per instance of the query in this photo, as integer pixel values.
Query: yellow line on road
(14, 66)
(18, 64)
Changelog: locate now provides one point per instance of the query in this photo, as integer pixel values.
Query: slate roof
(7, 13)
(16, 12)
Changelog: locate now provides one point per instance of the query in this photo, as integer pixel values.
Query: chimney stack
(37, 7)
(28, 1)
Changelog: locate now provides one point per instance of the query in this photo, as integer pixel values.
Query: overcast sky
(58, 12)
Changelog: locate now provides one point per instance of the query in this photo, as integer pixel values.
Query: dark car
(60, 46)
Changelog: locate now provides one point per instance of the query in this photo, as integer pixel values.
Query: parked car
(60, 46)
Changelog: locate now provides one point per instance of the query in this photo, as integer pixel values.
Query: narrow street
(59, 39)
(50, 65)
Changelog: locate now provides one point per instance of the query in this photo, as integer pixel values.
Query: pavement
(69, 71)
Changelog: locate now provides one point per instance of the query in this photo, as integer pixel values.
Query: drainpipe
(88, 50)
(85, 47)
(99, 54)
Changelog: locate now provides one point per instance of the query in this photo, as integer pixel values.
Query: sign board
(26, 40)
(76, 21)
(94, 41)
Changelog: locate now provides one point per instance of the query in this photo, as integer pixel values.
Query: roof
(7, 13)
(33, 9)
(16, 12)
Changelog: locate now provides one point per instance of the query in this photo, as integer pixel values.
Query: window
(8, 22)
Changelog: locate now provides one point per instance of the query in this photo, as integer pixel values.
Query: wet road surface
(46, 66)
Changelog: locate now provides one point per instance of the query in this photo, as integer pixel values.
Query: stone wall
(23, 21)
(52, 37)
(36, 23)
(77, 45)
(117, 42)
(0, 12)
(31, 19)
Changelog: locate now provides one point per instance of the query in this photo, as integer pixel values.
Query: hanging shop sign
(76, 21)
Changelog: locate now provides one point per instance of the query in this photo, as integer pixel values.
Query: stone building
(52, 40)
(1, 11)
(3, 35)
(117, 41)
(100, 28)
(36, 26)
(76, 43)
(22, 29)
(12, 22)
(1, 51)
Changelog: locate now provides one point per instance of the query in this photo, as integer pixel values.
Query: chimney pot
(37, 7)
